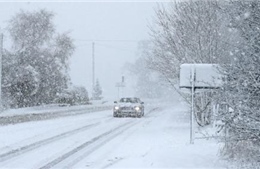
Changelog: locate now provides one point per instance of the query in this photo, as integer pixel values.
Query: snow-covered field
(97, 140)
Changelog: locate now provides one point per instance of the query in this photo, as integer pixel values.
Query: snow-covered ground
(97, 140)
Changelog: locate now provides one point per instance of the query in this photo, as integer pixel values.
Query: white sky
(115, 27)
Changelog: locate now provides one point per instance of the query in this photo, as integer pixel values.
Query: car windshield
(129, 100)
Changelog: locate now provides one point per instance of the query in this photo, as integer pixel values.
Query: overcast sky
(114, 27)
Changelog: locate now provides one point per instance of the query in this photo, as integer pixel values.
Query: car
(128, 106)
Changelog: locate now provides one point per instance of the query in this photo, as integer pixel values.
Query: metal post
(123, 86)
(118, 93)
(120, 86)
(192, 106)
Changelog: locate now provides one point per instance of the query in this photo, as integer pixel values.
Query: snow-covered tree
(38, 58)
(97, 91)
(241, 91)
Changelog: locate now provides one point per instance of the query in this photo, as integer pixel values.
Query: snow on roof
(206, 75)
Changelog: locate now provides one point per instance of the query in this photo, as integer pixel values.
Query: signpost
(195, 77)
(120, 85)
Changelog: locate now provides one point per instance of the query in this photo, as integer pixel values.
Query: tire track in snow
(96, 143)
(117, 160)
(86, 144)
(30, 147)
(21, 150)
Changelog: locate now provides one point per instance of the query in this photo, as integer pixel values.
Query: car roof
(129, 98)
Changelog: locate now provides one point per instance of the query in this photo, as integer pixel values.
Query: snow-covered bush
(73, 96)
(241, 89)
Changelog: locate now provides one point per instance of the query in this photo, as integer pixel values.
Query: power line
(109, 40)
(106, 45)
(115, 47)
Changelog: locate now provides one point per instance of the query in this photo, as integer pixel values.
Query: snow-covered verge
(51, 108)
(13, 116)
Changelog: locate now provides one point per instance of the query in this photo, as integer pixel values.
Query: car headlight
(137, 108)
(116, 107)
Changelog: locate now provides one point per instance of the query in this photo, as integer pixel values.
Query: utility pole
(93, 68)
(1, 55)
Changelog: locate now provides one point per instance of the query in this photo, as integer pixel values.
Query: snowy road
(97, 140)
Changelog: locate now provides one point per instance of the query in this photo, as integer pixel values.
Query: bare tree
(189, 32)
(149, 84)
